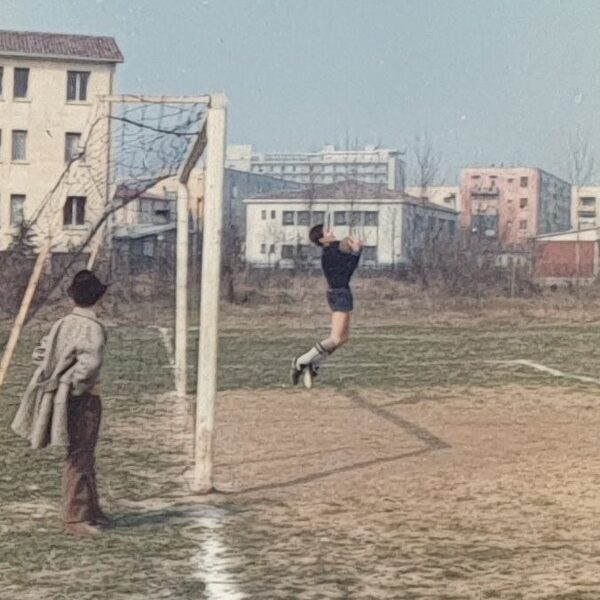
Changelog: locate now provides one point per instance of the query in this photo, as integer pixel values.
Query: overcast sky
(490, 81)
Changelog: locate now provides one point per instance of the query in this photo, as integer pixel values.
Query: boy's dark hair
(86, 289)
(315, 234)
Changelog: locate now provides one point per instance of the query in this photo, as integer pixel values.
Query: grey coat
(70, 359)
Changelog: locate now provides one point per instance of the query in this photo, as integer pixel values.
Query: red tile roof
(56, 45)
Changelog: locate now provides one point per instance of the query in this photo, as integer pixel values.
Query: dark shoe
(82, 528)
(102, 521)
(295, 372)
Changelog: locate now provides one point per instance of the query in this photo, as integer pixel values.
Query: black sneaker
(295, 372)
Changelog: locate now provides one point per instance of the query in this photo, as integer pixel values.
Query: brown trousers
(80, 496)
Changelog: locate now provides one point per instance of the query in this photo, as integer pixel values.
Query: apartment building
(48, 83)
(371, 165)
(393, 226)
(514, 204)
(585, 206)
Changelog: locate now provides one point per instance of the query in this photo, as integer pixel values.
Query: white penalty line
(545, 369)
(213, 565)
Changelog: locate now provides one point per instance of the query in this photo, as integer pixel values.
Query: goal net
(129, 204)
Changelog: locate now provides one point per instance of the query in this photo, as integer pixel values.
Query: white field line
(168, 343)
(214, 558)
(342, 364)
(544, 369)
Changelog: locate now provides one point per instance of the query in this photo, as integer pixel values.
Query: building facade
(370, 165)
(567, 257)
(514, 204)
(48, 83)
(447, 196)
(585, 206)
(160, 201)
(392, 225)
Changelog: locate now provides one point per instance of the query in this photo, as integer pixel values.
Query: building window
(588, 201)
(21, 83)
(157, 212)
(355, 219)
(318, 217)
(524, 182)
(17, 203)
(72, 146)
(1, 79)
(77, 84)
(74, 211)
(263, 248)
(272, 214)
(288, 217)
(340, 218)
(523, 203)
(263, 215)
(369, 253)
(287, 251)
(148, 248)
(303, 217)
(522, 225)
(371, 219)
(19, 145)
(272, 249)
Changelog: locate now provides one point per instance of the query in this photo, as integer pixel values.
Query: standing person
(339, 261)
(61, 405)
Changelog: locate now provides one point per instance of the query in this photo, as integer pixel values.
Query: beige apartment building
(48, 84)
(585, 204)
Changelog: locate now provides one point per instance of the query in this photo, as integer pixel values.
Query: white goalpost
(132, 144)
(209, 303)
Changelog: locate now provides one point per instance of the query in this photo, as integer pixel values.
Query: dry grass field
(448, 452)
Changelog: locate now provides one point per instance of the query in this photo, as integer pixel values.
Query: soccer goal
(124, 195)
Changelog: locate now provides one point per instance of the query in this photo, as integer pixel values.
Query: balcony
(482, 190)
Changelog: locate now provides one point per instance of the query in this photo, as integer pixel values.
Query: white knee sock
(315, 355)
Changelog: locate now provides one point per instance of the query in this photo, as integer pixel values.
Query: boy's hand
(355, 244)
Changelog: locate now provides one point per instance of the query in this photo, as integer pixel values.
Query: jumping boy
(61, 405)
(339, 261)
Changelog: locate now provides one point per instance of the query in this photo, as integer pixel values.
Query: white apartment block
(585, 206)
(371, 165)
(393, 226)
(48, 83)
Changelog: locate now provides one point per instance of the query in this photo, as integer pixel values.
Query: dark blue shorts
(340, 300)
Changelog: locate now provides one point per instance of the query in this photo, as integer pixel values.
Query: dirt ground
(422, 466)
(467, 494)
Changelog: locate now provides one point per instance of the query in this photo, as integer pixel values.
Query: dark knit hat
(86, 289)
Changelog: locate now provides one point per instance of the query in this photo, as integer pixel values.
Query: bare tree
(580, 168)
(580, 159)
(426, 162)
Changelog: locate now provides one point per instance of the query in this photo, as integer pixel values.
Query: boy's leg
(80, 497)
(340, 324)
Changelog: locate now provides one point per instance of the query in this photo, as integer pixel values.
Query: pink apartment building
(514, 205)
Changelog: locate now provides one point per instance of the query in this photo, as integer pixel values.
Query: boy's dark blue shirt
(338, 266)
